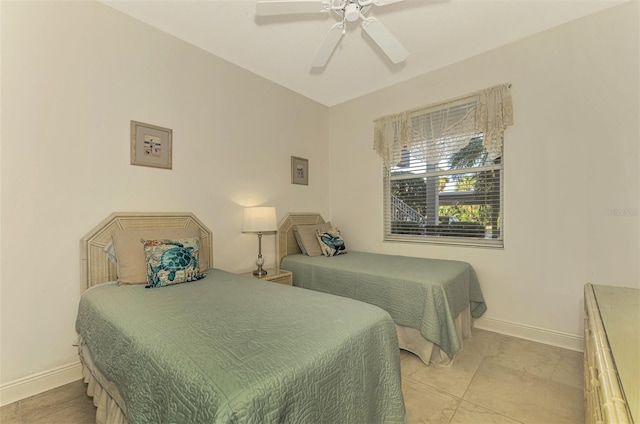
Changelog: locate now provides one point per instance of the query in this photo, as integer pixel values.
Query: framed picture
(151, 145)
(299, 171)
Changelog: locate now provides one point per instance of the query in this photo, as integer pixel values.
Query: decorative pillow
(307, 239)
(171, 261)
(331, 242)
(131, 265)
(111, 253)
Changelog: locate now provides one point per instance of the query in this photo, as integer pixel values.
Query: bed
(431, 301)
(226, 348)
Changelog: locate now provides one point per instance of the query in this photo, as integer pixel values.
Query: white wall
(571, 157)
(73, 76)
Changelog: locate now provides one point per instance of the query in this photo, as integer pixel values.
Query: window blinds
(441, 182)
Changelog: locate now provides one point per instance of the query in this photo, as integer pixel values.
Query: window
(442, 184)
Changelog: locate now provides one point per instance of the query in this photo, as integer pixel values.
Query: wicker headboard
(95, 265)
(287, 244)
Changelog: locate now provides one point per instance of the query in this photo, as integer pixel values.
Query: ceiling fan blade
(385, 40)
(270, 8)
(328, 46)
(385, 2)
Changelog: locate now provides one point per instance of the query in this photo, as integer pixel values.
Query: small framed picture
(151, 145)
(299, 170)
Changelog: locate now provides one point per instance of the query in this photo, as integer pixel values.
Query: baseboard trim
(41, 382)
(536, 334)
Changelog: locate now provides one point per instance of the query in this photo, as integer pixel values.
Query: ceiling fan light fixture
(348, 11)
(352, 12)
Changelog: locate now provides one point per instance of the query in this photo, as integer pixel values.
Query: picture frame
(151, 145)
(299, 170)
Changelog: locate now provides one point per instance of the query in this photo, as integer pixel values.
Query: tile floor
(496, 379)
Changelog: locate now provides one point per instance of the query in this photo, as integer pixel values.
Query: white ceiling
(436, 33)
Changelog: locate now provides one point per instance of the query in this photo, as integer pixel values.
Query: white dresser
(612, 354)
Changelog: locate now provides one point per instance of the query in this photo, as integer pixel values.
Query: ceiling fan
(349, 11)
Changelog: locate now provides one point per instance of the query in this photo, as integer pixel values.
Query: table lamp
(259, 220)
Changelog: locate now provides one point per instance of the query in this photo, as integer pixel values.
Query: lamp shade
(259, 220)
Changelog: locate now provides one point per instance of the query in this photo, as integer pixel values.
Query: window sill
(446, 241)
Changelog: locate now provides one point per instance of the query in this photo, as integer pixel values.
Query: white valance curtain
(446, 128)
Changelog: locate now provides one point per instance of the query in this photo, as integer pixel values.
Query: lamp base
(260, 272)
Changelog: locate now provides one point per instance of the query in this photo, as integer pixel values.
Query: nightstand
(279, 276)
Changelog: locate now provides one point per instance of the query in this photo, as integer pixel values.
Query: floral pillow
(331, 242)
(171, 261)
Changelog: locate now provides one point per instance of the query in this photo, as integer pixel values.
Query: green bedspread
(228, 349)
(425, 294)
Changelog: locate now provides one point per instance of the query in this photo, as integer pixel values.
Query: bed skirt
(111, 408)
(411, 340)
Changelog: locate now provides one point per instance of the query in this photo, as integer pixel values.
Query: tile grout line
(484, 357)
